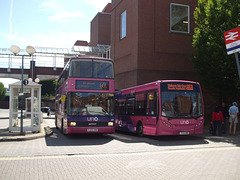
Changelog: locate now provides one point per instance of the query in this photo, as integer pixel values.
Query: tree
(2, 91)
(217, 70)
(48, 87)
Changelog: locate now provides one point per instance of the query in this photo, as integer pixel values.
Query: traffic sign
(232, 40)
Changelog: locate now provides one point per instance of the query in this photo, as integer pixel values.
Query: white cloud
(57, 39)
(98, 4)
(66, 16)
(50, 4)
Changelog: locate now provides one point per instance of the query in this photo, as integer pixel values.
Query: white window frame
(188, 22)
(123, 25)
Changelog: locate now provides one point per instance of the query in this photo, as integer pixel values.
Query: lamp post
(15, 50)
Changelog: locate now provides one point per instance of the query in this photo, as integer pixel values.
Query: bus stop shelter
(31, 107)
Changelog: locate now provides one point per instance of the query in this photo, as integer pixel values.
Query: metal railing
(50, 57)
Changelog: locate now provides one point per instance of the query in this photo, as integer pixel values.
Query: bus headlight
(72, 123)
(110, 123)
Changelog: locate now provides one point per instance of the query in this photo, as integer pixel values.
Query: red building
(101, 27)
(151, 40)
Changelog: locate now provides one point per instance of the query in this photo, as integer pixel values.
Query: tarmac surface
(117, 156)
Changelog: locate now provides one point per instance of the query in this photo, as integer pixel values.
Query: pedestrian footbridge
(46, 63)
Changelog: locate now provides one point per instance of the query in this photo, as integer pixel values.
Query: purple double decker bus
(85, 96)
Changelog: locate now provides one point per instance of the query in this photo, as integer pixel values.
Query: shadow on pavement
(230, 139)
(159, 140)
(59, 139)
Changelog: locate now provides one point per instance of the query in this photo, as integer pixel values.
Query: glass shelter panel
(36, 100)
(15, 100)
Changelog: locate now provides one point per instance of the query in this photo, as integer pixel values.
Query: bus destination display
(92, 85)
(180, 87)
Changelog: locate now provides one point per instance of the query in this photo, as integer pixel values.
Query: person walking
(217, 121)
(49, 112)
(225, 113)
(233, 118)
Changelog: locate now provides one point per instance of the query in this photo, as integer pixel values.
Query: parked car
(45, 109)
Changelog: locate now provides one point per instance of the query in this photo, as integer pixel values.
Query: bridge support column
(32, 70)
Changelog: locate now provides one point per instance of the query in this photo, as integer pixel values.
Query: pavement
(5, 135)
(46, 131)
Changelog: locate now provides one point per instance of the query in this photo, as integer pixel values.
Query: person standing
(233, 118)
(225, 113)
(217, 121)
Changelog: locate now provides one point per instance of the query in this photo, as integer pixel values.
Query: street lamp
(15, 50)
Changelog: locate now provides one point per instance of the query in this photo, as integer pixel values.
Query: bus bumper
(90, 130)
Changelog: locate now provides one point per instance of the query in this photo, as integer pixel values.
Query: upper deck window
(123, 25)
(91, 68)
(179, 17)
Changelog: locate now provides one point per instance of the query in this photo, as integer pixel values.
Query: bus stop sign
(232, 39)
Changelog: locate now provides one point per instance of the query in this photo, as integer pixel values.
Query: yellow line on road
(83, 155)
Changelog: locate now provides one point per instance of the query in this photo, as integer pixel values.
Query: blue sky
(46, 23)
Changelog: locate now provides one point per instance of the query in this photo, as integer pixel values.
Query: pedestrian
(233, 118)
(225, 114)
(217, 121)
(49, 112)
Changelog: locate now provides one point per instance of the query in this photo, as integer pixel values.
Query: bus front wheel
(140, 129)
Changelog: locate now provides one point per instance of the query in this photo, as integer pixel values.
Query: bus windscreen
(181, 100)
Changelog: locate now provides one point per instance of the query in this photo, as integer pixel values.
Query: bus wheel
(140, 129)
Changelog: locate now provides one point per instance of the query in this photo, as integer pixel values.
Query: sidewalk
(47, 131)
(5, 135)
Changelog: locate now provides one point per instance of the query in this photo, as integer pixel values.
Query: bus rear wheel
(140, 129)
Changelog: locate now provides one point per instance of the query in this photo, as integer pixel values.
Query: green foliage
(217, 70)
(2, 91)
(48, 88)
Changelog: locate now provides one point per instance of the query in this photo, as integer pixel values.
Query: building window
(123, 26)
(179, 17)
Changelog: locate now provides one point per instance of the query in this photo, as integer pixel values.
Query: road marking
(85, 155)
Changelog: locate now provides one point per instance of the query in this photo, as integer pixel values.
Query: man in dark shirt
(225, 113)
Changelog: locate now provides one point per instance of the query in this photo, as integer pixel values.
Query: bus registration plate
(184, 133)
(92, 130)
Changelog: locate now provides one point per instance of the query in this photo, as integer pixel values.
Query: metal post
(238, 66)
(21, 130)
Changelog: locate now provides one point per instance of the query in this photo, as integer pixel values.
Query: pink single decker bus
(85, 96)
(168, 107)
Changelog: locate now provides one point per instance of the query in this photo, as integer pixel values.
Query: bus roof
(89, 57)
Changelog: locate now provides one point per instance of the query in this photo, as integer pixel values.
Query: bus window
(81, 68)
(102, 69)
(130, 106)
(121, 107)
(140, 107)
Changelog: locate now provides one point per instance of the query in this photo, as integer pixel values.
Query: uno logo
(184, 122)
(92, 119)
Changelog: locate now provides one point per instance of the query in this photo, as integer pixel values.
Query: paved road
(121, 156)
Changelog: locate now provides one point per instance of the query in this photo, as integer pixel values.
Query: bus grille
(92, 124)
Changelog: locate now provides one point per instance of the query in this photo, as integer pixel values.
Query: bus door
(152, 108)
